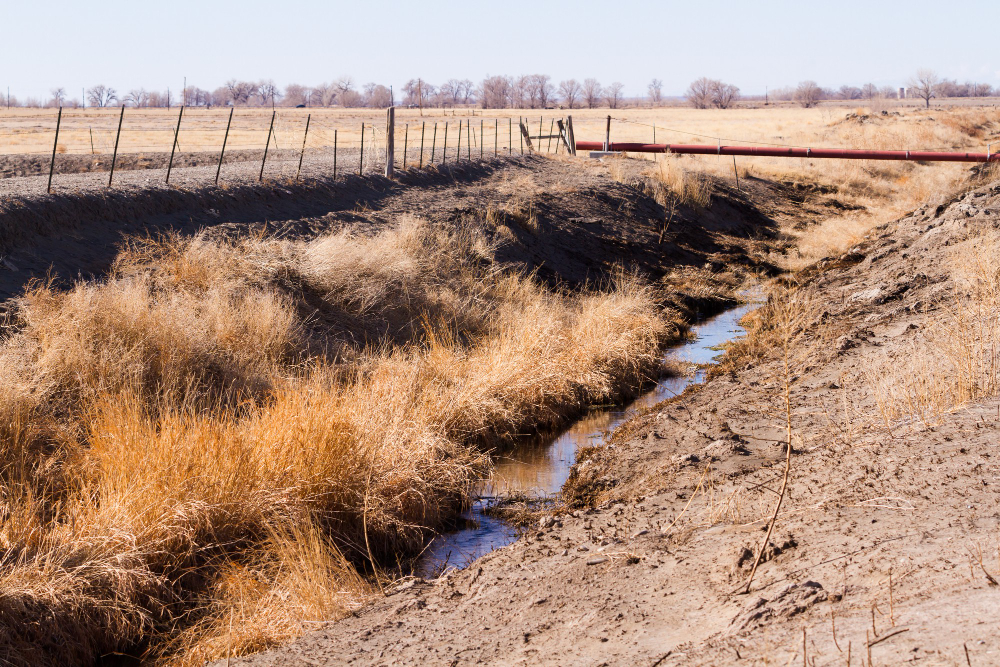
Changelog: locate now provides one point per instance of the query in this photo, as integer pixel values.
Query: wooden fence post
(458, 151)
(361, 160)
(444, 149)
(390, 142)
(173, 146)
(525, 137)
(548, 148)
(562, 137)
(266, 145)
(607, 136)
(305, 135)
(406, 143)
(570, 136)
(55, 145)
(334, 155)
(225, 139)
(114, 156)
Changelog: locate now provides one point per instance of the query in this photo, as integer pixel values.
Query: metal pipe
(768, 151)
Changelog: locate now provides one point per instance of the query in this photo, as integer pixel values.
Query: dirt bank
(570, 224)
(886, 544)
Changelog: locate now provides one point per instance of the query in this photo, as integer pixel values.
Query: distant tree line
(527, 91)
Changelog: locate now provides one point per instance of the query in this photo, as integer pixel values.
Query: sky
(753, 44)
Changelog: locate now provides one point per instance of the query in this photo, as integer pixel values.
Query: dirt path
(653, 573)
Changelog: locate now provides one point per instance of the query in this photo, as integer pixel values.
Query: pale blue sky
(132, 43)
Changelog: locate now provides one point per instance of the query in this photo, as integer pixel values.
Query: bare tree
(268, 93)
(101, 95)
(592, 93)
(323, 95)
(451, 92)
(58, 97)
(724, 95)
(808, 94)
(137, 97)
(544, 90)
(415, 91)
(869, 91)
(614, 94)
(344, 84)
(655, 91)
(849, 93)
(466, 91)
(296, 95)
(378, 96)
(496, 92)
(569, 91)
(240, 91)
(701, 92)
(924, 85)
(351, 98)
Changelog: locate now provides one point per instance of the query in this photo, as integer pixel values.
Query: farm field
(234, 417)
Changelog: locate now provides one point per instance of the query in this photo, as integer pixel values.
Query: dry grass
(956, 359)
(202, 451)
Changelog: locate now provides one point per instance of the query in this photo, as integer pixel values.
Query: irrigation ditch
(532, 473)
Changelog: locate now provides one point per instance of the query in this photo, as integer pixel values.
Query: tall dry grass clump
(956, 359)
(686, 186)
(226, 439)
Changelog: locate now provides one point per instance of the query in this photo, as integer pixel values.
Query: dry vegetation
(870, 192)
(956, 360)
(209, 450)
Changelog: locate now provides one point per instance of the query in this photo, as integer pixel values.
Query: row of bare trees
(531, 91)
(924, 85)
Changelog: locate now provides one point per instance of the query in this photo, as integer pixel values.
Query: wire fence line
(283, 145)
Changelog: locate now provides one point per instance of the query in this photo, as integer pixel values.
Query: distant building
(902, 93)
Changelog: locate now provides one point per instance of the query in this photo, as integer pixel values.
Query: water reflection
(540, 467)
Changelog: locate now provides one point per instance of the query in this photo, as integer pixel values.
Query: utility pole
(184, 93)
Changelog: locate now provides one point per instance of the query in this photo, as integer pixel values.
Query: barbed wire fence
(198, 146)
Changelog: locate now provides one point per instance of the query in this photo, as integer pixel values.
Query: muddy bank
(886, 542)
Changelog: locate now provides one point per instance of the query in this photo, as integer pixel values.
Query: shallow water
(539, 468)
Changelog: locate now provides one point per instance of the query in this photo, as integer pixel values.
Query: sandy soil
(874, 551)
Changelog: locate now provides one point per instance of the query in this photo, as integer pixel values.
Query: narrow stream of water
(540, 468)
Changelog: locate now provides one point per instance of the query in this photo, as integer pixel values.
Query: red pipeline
(767, 151)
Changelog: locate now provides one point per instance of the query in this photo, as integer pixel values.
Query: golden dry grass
(210, 449)
(956, 358)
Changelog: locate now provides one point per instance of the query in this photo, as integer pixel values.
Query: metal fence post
(114, 156)
(305, 135)
(55, 145)
(173, 146)
(266, 146)
(225, 139)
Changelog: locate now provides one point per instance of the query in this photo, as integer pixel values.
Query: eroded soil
(876, 551)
